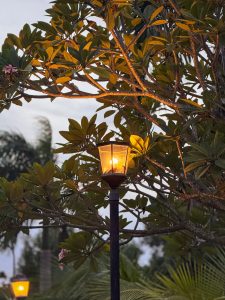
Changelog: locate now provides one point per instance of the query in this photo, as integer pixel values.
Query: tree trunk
(14, 260)
(45, 263)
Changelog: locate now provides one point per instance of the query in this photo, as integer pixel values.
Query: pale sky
(13, 15)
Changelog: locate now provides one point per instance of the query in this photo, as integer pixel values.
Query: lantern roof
(113, 143)
(19, 277)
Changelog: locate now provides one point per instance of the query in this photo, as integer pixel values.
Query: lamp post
(20, 287)
(114, 162)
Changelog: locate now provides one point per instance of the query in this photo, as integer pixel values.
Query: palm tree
(191, 280)
(16, 156)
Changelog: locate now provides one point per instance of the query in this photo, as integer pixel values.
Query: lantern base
(114, 180)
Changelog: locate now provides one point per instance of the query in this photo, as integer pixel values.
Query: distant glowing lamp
(20, 286)
(114, 158)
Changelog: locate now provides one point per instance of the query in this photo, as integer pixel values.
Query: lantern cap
(19, 277)
(113, 143)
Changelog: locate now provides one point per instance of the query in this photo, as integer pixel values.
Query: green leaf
(109, 113)
(200, 148)
(46, 27)
(194, 165)
(201, 171)
(17, 102)
(220, 163)
(130, 203)
(15, 40)
(191, 102)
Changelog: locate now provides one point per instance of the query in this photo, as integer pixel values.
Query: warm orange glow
(20, 288)
(114, 161)
(114, 158)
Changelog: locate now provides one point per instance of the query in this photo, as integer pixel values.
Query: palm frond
(16, 155)
(191, 280)
(44, 141)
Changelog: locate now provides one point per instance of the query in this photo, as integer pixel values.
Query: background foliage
(157, 67)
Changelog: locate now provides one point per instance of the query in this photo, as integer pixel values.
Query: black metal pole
(114, 244)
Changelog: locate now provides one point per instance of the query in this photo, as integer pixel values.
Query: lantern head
(114, 157)
(20, 286)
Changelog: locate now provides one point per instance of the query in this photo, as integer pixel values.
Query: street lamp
(114, 157)
(20, 287)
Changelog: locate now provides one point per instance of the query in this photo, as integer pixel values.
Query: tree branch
(122, 49)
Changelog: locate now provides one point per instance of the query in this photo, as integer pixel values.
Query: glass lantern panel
(114, 158)
(20, 288)
(119, 159)
(105, 158)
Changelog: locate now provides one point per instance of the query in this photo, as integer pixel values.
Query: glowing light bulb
(114, 161)
(20, 288)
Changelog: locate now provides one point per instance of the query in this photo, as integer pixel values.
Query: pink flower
(63, 253)
(9, 69)
(61, 266)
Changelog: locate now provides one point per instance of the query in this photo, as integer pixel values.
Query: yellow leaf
(47, 75)
(147, 143)
(159, 22)
(50, 51)
(131, 163)
(112, 78)
(136, 21)
(73, 44)
(183, 26)
(35, 63)
(57, 66)
(69, 57)
(97, 3)
(156, 13)
(155, 43)
(189, 22)
(192, 103)
(137, 143)
(127, 39)
(80, 24)
(110, 18)
(105, 43)
(63, 79)
(140, 53)
(55, 53)
(87, 46)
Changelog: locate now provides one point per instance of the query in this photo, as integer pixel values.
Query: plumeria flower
(61, 266)
(9, 69)
(62, 254)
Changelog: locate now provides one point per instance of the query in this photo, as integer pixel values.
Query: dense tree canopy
(158, 68)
